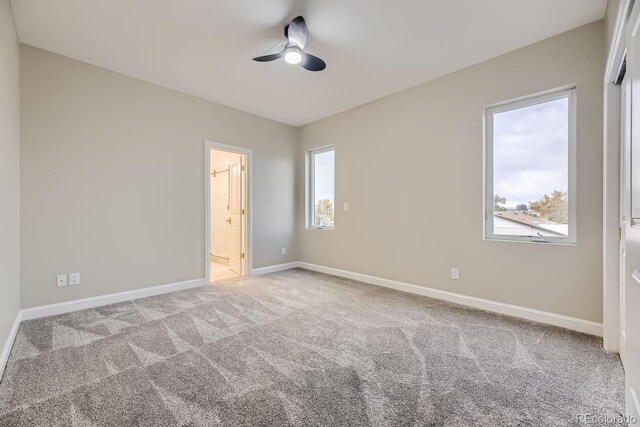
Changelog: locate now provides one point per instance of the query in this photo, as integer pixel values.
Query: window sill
(539, 242)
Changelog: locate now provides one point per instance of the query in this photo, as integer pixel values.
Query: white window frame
(489, 112)
(310, 202)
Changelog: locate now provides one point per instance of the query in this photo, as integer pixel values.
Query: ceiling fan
(292, 48)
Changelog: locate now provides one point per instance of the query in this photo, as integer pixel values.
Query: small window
(321, 200)
(530, 158)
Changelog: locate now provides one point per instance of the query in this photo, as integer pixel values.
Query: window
(530, 158)
(321, 200)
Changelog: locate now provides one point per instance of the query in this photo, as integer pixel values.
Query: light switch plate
(346, 207)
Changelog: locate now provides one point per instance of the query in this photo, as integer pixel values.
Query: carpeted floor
(302, 348)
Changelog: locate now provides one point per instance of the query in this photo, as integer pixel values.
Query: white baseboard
(274, 268)
(6, 349)
(634, 401)
(580, 325)
(83, 304)
(572, 323)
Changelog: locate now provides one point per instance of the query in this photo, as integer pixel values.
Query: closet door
(631, 291)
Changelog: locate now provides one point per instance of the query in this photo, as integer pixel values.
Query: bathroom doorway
(227, 231)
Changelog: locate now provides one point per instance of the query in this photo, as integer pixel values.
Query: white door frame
(611, 183)
(247, 218)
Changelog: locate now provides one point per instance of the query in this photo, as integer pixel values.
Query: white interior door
(631, 291)
(235, 214)
(625, 145)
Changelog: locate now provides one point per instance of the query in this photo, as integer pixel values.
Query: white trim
(274, 268)
(580, 325)
(634, 21)
(6, 349)
(83, 304)
(636, 403)
(310, 187)
(611, 181)
(569, 92)
(572, 323)
(617, 47)
(611, 218)
(247, 245)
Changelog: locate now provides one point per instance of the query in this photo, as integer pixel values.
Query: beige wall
(410, 166)
(113, 180)
(9, 172)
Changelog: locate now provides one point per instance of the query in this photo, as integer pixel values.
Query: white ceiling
(372, 47)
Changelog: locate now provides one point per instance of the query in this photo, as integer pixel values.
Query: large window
(321, 200)
(530, 192)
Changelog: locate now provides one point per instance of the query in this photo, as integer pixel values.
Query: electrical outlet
(74, 279)
(284, 251)
(61, 280)
(455, 273)
(346, 207)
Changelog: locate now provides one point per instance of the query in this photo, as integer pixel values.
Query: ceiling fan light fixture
(293, 55)
(292, 49)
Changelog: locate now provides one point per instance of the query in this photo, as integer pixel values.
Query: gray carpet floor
(302, 348)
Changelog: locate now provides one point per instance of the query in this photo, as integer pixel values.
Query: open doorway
(227, 202)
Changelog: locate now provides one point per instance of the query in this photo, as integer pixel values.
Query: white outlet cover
(61, 280)
(284, 251)
(455, 273)
(346, 207)
(74, 279)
